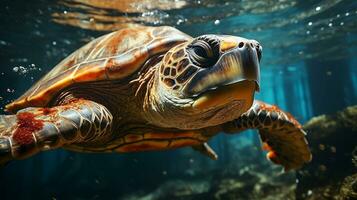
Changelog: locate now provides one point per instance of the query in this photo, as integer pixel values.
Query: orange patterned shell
(110, 57)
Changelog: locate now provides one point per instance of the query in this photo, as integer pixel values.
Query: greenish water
(309, 68)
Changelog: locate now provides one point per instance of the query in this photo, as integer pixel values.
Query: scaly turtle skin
(150, 88)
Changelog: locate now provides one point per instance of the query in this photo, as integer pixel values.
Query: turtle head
(212, 77)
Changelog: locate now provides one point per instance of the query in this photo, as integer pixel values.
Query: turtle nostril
(241, 44)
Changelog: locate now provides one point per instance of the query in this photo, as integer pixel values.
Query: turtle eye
(204, 51)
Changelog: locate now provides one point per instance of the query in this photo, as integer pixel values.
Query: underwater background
(309, 68)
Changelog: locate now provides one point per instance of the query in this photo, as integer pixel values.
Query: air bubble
(21, 70)
(309, 193)
(216, 22)
(310, 23)
(10, 90)
(180, 21)
(318, 8)
(3, 42)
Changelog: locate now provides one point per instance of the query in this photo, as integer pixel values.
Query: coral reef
(333, 144)
(247, 185)
(348, 190)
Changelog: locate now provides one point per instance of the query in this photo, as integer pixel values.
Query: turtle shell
(110, 57)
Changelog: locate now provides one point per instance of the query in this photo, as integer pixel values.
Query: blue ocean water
(309, 68)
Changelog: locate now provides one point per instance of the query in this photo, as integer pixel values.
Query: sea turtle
(150, 88)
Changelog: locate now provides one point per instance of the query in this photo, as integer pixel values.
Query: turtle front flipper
(282, 136)
(33, 130)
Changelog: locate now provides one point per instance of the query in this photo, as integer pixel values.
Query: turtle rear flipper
(205, 149)
(37, 129)
(282, 136)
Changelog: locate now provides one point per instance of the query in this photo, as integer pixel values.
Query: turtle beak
(239, 62)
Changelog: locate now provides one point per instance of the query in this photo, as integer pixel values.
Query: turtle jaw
(242, 91)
